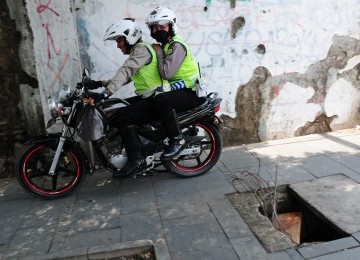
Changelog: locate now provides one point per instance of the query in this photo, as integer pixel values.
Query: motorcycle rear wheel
(197, 164)
(32, 171)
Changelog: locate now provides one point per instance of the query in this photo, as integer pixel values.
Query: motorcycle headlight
(65, 93)
(54, 106)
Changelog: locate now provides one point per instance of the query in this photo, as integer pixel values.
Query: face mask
(161, 36)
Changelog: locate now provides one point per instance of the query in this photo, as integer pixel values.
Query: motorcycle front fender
(53, 139)
(48, 138)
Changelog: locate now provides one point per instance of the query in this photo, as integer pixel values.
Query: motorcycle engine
(119, 160)
(113, 149)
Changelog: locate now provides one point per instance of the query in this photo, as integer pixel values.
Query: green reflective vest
(188, 72)
(147, 78)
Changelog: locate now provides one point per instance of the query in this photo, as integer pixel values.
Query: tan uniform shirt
(139, 57)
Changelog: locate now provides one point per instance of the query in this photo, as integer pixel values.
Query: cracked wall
(283, 68)
(324, 98)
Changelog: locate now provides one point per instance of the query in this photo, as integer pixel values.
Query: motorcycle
(54, 165)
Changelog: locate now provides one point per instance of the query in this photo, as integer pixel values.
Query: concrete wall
(283, 68)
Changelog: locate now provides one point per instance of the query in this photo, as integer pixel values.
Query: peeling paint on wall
(325, 98)
(305, 48)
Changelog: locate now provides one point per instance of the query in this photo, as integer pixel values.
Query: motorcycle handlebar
(88, 83)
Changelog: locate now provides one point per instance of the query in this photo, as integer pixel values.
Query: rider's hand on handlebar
(97, 96)
(93, 84)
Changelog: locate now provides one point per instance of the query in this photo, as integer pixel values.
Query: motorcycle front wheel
(32, 171)
(207, 151)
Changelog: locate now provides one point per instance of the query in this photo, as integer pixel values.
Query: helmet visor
(161, 22)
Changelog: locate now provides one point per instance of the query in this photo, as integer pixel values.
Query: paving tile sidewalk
(183, 218)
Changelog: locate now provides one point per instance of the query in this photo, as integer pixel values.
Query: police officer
(178, 66)
(141, 67)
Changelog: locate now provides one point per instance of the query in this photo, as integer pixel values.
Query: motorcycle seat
(183, 115)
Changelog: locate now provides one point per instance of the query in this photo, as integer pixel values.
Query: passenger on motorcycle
(141, 67)
(178, 66)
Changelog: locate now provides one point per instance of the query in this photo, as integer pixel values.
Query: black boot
(136, 161)
(176, 142)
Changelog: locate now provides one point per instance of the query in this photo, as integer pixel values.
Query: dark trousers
(144, 110)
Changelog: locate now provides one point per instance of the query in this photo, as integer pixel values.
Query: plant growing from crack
(265, 192)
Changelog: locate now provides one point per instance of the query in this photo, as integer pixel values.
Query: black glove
(96, 96)
(93, 84)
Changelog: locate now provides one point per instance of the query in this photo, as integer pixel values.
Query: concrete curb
(105, 251)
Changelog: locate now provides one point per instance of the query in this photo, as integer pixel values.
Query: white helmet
(126, 27)
(162, 15)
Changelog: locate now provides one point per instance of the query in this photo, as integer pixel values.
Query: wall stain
(253, 99)
(248, 103)
(237, 24)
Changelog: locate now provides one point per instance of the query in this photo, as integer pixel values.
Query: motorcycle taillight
(217, 108)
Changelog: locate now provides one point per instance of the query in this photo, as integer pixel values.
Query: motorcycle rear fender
(211, 119)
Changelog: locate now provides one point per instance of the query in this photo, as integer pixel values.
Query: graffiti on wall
(47, 14)
(231, 40)
(55, 46)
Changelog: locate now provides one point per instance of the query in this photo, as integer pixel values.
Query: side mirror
(86, 73)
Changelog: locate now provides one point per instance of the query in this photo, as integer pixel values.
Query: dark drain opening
(314, 227)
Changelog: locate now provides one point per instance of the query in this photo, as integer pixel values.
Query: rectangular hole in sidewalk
(304, 227)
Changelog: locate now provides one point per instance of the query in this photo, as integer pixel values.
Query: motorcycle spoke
(54, 182)
(67, 172)
(198, 160)
(37, 174)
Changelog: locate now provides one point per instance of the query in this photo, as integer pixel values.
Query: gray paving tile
(211, 179)
(9, 225)
(229, 219)
(294, 254)
(238, 158)
(266, 154)
(86, 239)
(219, 192)
(348, 254)
(2, 250)
(321, 166)
(332, 196)
(327, 247)
(11, 190)
(137, 197)
(31, 241)
(90, 215)
(356, 236)
(187, 205)
(249, 248)
(141, 225)
(346, 159)
(287, 172)
(177, 187)
(197, 238)
(350, 141)
(353, 175)
(294, 150)
(330, 146)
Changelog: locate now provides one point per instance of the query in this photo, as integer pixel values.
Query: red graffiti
(41, 8)
(58, 73)
(50, 40)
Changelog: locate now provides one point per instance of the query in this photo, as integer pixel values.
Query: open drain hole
(299, 223)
